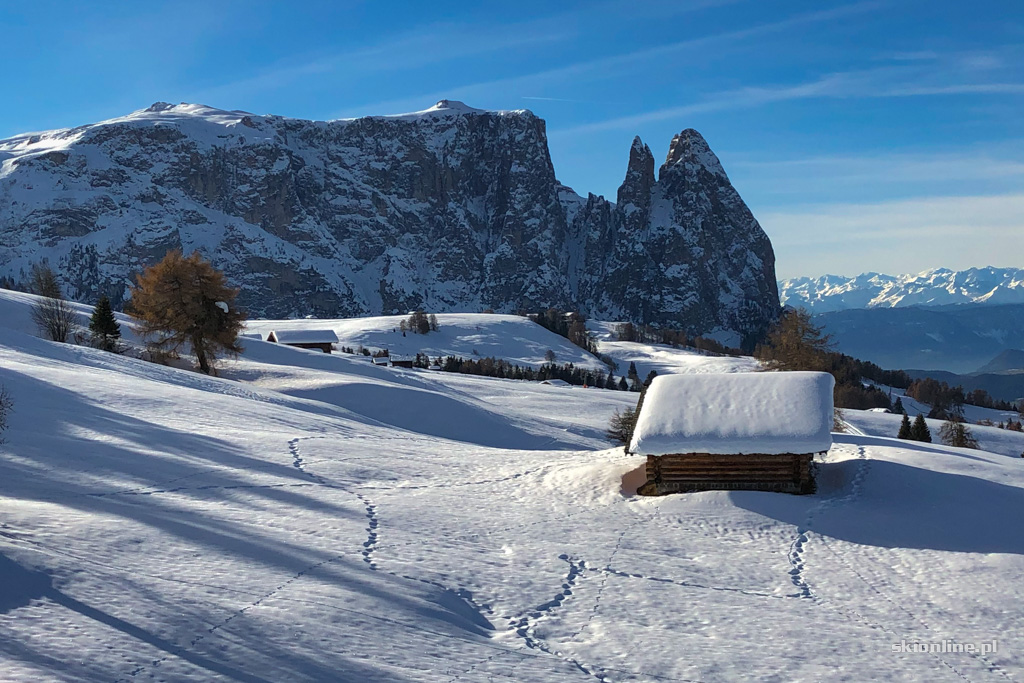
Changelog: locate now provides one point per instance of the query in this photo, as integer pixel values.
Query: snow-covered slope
(315, 518)
(465, 335)
(662, 358)
(935, 287)
(449, 209)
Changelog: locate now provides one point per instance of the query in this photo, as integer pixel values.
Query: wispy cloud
(880, 82)
(903, 167)
(603, 66)
(426, 45)
(912, 56)
(549, 99)
(898, 236)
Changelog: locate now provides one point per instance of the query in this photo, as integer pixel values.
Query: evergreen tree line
(952, 433)
(918, 431)
(497, 367)
(572, 326)
(946, 399)
(419, 322)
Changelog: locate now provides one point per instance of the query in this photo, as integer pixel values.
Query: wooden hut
(305, 339)
(743, 431)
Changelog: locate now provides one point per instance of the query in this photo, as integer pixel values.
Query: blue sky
(882, 135)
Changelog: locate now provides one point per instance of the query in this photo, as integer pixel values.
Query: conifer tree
(633, 374)
(919, 430)
(104, 329)
(904, 432)
(955, 433)
(897, 407)
(623, 384)
(796, 343)
(183, 301)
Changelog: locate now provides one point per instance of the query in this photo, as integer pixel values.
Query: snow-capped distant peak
(933, 287)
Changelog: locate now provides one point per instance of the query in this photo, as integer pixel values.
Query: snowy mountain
(448, 209)
(934, 287)
(306, 517)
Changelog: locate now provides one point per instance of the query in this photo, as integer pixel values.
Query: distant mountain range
(959, 338)
(1002, 377)
(936, 287)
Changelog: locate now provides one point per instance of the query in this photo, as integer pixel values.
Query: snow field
(510, 337)
(315, 518)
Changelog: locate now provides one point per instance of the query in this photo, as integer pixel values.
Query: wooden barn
(754, 431)
(305, 339)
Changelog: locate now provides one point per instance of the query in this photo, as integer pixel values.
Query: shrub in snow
(176, 302)
(620, 429)
(52, 314)
(838, 421)
(6, 406)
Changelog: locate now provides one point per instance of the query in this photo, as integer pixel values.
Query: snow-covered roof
(750, 412)
(304, 336)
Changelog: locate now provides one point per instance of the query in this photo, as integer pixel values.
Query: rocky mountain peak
(636, 187)
(690, 149)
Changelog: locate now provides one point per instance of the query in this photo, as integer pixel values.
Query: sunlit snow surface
(314, 518)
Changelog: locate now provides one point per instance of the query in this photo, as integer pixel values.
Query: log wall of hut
(683, 472)
(326, 348)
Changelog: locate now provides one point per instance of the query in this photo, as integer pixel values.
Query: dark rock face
(451, 209)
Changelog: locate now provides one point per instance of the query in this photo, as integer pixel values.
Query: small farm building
(754, 431)
(556, 382)
(305, 339)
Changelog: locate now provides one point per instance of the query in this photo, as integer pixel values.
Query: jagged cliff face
(448, 209)
(682, 250)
